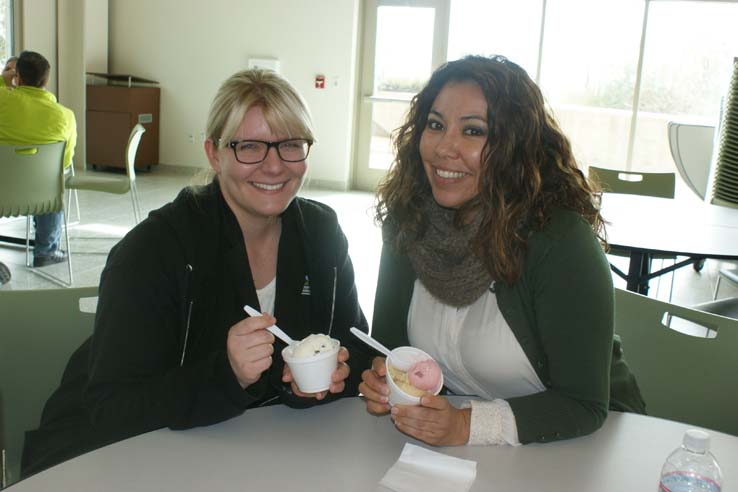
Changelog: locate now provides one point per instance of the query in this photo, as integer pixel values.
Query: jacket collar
(35, 93)
(236, 257)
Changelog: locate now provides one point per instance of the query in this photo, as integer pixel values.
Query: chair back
(31, 179)
(691, 148)
(132, 148)
(634, 183)
(685, 377)
(727, 307)
(40, 330)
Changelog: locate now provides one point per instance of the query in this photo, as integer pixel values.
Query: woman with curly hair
(493, 264)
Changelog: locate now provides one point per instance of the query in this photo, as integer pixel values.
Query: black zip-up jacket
(169, 293)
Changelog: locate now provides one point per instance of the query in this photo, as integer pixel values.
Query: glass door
(404, 41)
(6, 30)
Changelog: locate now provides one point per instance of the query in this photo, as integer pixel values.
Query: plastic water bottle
(691, 467)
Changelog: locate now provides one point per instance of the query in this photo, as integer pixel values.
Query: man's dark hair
(32, 68)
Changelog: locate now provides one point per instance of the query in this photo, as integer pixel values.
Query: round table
(339, 446)
(647, 226)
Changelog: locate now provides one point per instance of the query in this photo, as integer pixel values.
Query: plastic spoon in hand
(369, 341)
(274, 329)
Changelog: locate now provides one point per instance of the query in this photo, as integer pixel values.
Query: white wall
(71, 68)
(38, 33)
(55, 28)
(191, 46)
(96, 36)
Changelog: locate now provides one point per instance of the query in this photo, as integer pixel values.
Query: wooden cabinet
(112, 112)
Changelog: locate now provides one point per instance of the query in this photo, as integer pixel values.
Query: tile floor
(106, 217)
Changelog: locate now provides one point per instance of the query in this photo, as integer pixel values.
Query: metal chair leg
(135, 202)
(717, 286)
(72, 173)
(76, 204)
(54, 278)
(69, 250)
(671, 283)
(4, 477)
(28, 240)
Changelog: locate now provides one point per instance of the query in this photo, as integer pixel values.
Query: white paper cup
(313, 374)
(402, 358)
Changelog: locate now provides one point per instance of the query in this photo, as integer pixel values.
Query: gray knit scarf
(444, 260)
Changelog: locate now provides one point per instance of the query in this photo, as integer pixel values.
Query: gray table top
(340, 447)
(685, 226)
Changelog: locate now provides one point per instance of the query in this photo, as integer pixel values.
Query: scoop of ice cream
(400, 379)
(312, 345)
(424, 375)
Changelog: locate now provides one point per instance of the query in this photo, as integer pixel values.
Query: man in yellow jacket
(30, 115)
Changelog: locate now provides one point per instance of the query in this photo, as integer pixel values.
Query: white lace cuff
(492, 422)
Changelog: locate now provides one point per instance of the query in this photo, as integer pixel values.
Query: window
(401, 47)
(588, 74)
(614, 72)
(6, 29)
(496, 27)
(687, 63)
(402, 67)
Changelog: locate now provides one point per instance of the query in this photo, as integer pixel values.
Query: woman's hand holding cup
(374, 387)
(338, 378)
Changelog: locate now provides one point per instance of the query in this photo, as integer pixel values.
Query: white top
(266, 296)
(478, 354)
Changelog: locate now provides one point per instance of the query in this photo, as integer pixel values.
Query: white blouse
(267, 295)
(479, 355)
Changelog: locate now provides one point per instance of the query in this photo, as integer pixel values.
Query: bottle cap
(696, 440)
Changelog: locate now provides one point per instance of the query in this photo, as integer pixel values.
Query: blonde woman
(172, 345)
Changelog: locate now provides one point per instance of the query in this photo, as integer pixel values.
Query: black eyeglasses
(255, 151)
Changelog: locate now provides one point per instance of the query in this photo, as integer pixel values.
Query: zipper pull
(188, 308)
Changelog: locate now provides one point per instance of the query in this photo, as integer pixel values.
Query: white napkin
(419, 469)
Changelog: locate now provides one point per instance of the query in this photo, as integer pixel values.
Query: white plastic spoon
(274, 329)
(369, 341)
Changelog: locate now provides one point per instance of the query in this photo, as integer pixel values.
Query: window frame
(13, 24)
(442, 31)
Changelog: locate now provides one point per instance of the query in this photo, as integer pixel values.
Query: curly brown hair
(528, 168)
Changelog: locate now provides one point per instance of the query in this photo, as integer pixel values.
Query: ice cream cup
(402, 358)
(312, 374)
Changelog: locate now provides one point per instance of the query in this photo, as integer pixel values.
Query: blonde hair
(284, 109)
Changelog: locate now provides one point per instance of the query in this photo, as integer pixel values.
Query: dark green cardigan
(561, 312)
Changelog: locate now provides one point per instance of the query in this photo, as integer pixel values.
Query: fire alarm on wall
(320, 81)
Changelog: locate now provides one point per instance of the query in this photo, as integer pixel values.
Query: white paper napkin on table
(419, 469)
